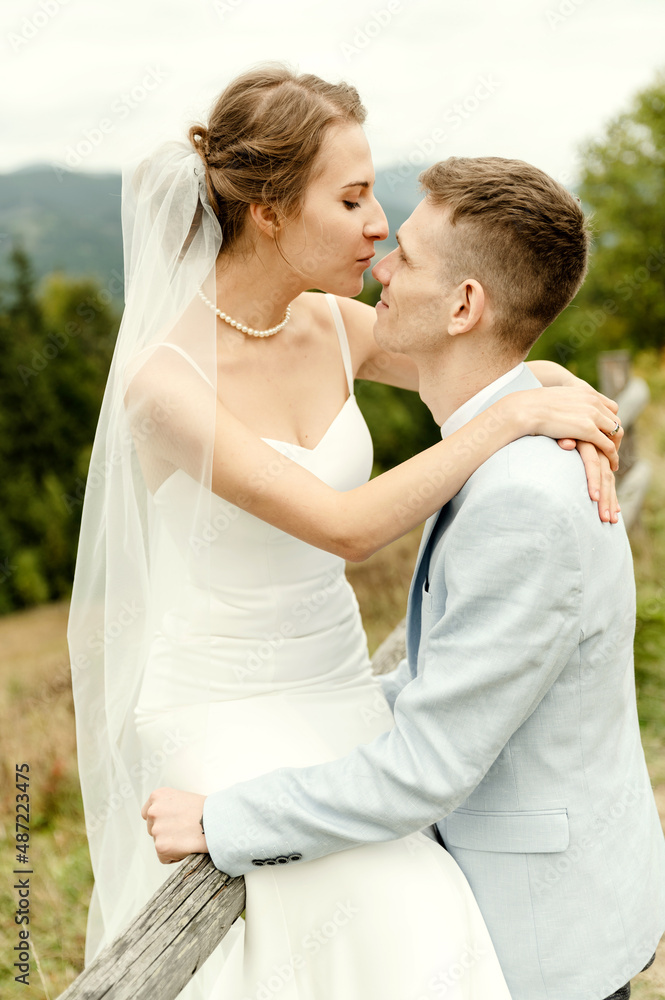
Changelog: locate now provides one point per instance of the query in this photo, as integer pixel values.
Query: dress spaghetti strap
(187, 357)
(343, 339)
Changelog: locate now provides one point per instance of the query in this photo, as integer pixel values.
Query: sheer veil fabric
(157, 416)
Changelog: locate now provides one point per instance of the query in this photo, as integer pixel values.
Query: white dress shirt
(468, 410)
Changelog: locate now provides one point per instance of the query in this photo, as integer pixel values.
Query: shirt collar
(467, 410)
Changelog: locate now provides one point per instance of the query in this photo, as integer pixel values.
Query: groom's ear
(467, 307)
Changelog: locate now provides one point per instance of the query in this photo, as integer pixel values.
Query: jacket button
(257, 862)
(295, 857)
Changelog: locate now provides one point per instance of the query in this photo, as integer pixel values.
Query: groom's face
(415, 305)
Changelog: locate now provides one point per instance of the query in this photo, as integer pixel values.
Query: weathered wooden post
(632, 395)
(169, 940)
(391, 650)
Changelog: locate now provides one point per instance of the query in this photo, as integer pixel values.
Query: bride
(212, 632)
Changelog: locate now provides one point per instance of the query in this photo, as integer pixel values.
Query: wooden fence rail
(188, 916)
(169, 940)
(632, 395)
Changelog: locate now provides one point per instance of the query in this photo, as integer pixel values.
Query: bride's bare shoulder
(358, 319)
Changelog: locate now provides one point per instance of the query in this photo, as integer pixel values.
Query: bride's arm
(399, 371)
(550, 373)
(353, 524)
(371, 362)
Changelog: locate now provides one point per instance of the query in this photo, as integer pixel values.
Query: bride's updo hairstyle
(262, 139)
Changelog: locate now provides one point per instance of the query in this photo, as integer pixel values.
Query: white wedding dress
(287, 682)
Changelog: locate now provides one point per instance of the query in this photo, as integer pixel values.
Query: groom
(516, 729)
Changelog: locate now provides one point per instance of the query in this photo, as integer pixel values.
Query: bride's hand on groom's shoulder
(600, 477)
(600, 480)
(598, 432)
(174, 823)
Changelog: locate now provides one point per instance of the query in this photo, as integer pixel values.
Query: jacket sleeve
(393, 682)
(503, 625)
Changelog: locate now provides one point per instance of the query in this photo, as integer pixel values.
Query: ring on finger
(616, 428)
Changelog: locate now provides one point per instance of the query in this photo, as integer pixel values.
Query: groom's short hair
(518, 232)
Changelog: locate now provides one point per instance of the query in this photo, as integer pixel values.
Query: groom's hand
(174, 823)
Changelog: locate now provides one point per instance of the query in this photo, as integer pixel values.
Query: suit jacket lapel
(525, 380)
(427, 533)
(415, 590)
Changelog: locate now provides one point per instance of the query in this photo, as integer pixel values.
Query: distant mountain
(64, 221)
(70, 221)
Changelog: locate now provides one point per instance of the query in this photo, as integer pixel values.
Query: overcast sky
(95, 83)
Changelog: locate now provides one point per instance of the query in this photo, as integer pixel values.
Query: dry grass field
(37, 727)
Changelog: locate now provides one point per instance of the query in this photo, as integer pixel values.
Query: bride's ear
(265, 219)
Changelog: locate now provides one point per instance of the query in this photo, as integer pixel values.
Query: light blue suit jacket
(516, 732)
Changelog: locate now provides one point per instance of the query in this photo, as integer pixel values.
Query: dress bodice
(259, 588)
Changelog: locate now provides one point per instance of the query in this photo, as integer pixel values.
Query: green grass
(37, 727)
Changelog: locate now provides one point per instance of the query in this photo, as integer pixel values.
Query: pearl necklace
(247, 329)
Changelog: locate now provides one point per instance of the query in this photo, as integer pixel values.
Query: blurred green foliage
(622, 302)
(55, 352)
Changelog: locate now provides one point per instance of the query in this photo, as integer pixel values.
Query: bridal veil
(157, 417)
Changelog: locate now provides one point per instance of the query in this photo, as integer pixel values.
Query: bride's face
(331, 242)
